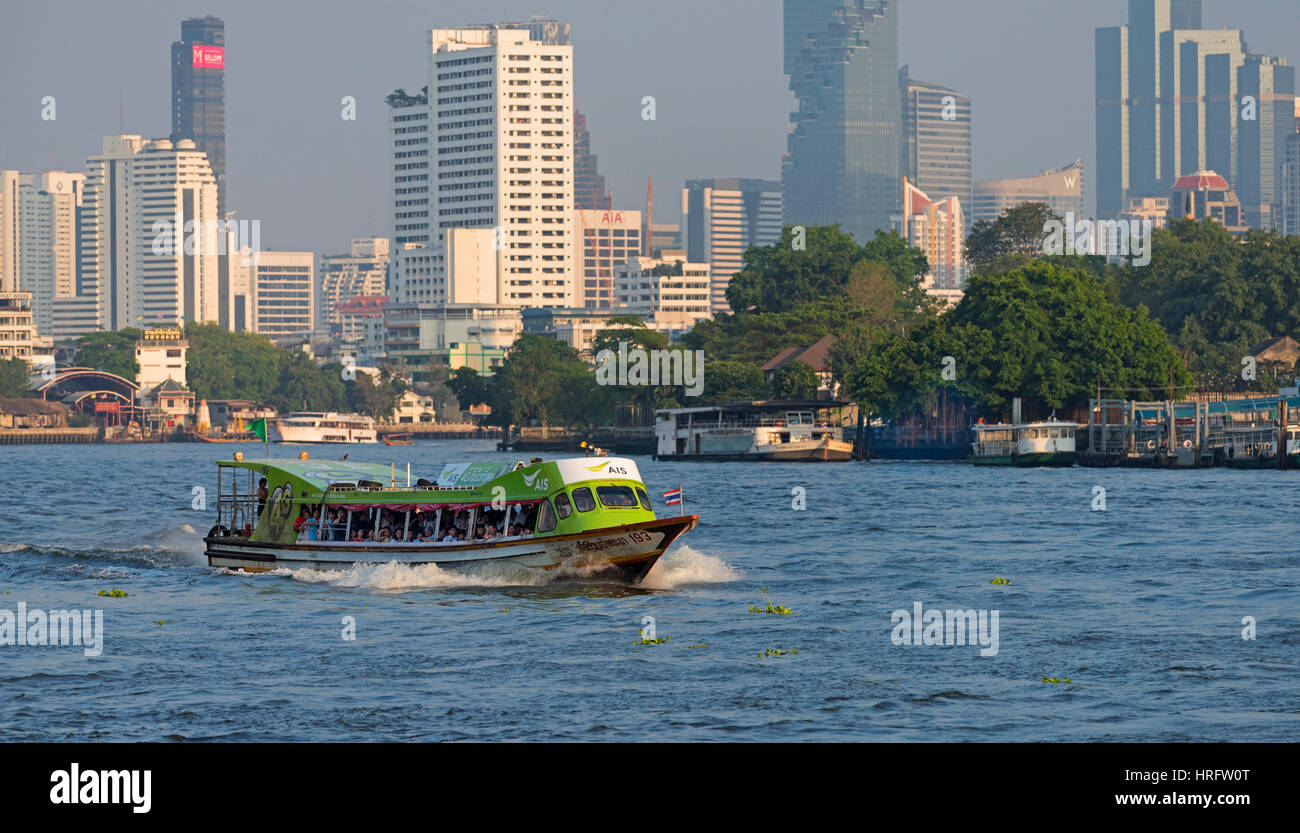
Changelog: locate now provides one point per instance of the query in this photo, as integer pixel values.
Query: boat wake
(395, 576)
(172, 546)
(683, 566)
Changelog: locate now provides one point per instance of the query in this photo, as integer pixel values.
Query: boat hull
(813, 451)
(627, 551)
(1053, 459)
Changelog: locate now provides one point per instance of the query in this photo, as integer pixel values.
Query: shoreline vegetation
(1052, 331)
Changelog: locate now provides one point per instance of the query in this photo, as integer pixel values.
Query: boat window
(616, 496)
(545, 517)
(583, 500)
(644, 498)
(562, 506)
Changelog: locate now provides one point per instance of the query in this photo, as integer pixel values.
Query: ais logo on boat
(538, 484)
(610, 470)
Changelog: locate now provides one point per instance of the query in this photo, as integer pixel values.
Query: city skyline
(714, 118)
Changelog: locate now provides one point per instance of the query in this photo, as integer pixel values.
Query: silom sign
(209, 57)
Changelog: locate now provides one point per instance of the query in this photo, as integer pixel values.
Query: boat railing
(995, 448)
(237, 513)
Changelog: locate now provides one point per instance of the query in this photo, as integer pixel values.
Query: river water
(1139, 605)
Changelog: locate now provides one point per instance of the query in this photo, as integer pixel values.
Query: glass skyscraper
(199, 93)
(1262, 139)
(844, 166)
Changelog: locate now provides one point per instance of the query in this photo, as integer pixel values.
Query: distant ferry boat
(1049, 443)
(778, 431)
(329, 514)
(326, 427)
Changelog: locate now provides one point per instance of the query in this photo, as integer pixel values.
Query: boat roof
(320, 474)
(760, 405)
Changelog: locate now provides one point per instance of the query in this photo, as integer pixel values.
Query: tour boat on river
(327, 514)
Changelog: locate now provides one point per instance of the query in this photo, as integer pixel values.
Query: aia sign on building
(209, 57)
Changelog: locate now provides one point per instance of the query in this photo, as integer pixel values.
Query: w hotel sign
(209, 57)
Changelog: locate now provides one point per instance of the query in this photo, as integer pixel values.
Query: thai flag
(673, 497)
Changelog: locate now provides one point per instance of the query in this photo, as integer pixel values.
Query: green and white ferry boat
(1049, 443)
(588, 513)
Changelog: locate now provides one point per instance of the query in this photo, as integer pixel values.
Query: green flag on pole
(258, 427)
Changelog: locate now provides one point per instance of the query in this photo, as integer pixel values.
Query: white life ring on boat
(1187, 444)
(1151, 445)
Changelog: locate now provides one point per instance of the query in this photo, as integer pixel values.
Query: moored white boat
(1048, 443)
(326, 427)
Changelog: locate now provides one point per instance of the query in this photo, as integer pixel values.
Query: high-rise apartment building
(721, 219)
(363, 272)
(936, 139)
(1061, 189)
(606, 239)
(841, 57)
(199, 93)
(937, 228)
(501, 123)
(408, 130)
(149, 247)
(284, 293)
(9, 230)
(49, 213)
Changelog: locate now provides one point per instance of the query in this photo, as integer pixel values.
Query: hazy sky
(714, 66)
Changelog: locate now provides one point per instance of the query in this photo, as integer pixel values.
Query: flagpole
(681, 500)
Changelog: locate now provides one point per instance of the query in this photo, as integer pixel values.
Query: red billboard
(209, 57)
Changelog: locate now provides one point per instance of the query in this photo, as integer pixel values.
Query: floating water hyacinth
(771, 608)
(114, 593)
(1055, 681)
(660, 640)
(778, 652)
(701, 645)
(1000, 580)
(162, 621)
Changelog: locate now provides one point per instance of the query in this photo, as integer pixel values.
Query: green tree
(226, 365)
(304, 386)
(540, 380)
(13, 378)
(728, 381)
(794, 380)
(469, 387)
(110, 351)
(1010, 241)
(1041, 332)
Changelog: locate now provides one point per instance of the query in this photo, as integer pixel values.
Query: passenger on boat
(262, 495)
(306, 528)
(385, 535)
(452, 534)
